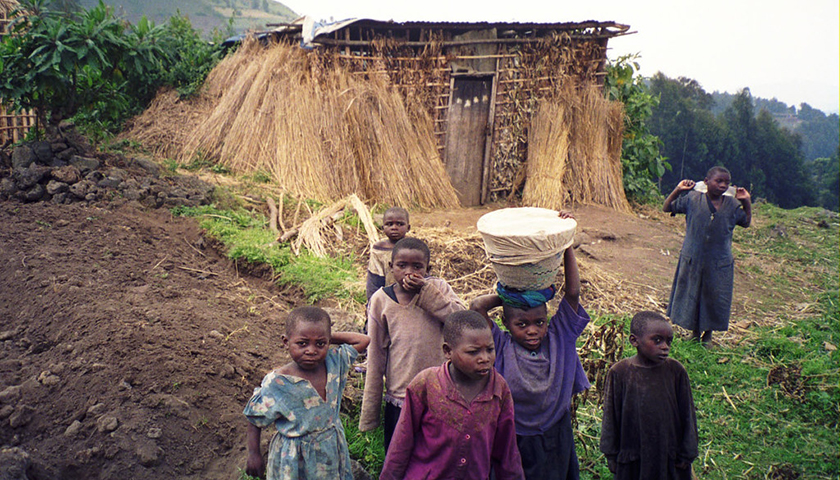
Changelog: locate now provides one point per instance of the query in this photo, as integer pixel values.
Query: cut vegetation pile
(574, 151)
(318, 130)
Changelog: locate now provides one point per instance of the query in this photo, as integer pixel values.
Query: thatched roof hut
(501, 105)
(511, 69)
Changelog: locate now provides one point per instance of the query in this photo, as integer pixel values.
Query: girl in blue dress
(701, 296)
(302, 399)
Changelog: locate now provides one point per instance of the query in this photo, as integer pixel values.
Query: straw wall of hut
(6, 7)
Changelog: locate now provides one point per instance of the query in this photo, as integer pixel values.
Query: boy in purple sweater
(539, 361)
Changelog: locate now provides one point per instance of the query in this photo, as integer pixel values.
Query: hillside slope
(205, 15)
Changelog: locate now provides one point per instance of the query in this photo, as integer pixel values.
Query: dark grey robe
(649, 423)
(701, 296)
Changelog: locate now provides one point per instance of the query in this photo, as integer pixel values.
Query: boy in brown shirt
(405, 324)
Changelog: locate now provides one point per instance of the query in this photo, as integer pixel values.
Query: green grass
(248, 238)
(324, 277)
(367, 448)
(749, 428)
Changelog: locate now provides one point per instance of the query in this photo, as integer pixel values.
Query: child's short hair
(641, 320)
(457, 322)
(398, 210)
(717, 169)
(411, 243)
(308, 315)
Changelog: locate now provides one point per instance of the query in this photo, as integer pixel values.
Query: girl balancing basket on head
(536, 357)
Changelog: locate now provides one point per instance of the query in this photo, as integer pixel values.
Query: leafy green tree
(820, 132)
(53, 63)
(641, 162)
(94, 66)
(779, 159)
(825, 174)
(691, 138)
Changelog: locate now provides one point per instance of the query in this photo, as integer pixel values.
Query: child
(405, 323)
(701, 295)
(395, 225)
(457, 419)
(649, 428)
(541, 365)
(302, 400)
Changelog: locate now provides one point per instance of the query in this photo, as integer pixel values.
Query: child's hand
(611, 465)
(565, 214)
(685, 185)
(742, 195)
(413, 282)
(255, 466)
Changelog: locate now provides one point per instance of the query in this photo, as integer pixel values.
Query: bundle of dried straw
(320, 131)
(574, 151)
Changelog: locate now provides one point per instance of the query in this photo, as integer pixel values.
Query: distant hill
(820, 132)
(205, 15)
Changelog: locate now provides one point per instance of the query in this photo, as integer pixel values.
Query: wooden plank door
(466, 134)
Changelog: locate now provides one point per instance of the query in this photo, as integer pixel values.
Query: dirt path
(128, 349)
(640, 247)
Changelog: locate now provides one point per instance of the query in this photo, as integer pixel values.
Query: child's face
(473, 354)
(308, 344)
(654, 345)
(409, 262)
(718, 183)
(527, 327)
(395, 226)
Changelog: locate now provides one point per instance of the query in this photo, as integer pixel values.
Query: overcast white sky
(785, 49)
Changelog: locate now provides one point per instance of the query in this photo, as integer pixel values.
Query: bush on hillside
(95, 66)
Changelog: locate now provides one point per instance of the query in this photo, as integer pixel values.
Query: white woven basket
(525, 245)
(529, 276)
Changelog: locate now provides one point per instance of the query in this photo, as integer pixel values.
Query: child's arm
(683, 186)
(743, 196)
(255, 466)
(505, 458)
(610, 423)
(572, 276)
(438, 299)
(688, 445)
(402, 443)
(484, 304)
(358, 341)
(377, 361)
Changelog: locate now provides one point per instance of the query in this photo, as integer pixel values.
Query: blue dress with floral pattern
(309, 442)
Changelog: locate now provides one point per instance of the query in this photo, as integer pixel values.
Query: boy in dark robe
(649, 428)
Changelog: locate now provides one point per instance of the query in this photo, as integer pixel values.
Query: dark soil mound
(126, 350)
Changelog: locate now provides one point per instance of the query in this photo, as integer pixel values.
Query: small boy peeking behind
(539, 361)
(302, 400)
(395, 225)
(649, 429)
(405, 324)
(457, 419)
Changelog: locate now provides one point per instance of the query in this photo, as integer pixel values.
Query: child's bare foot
(695, 336)
(707, 339)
